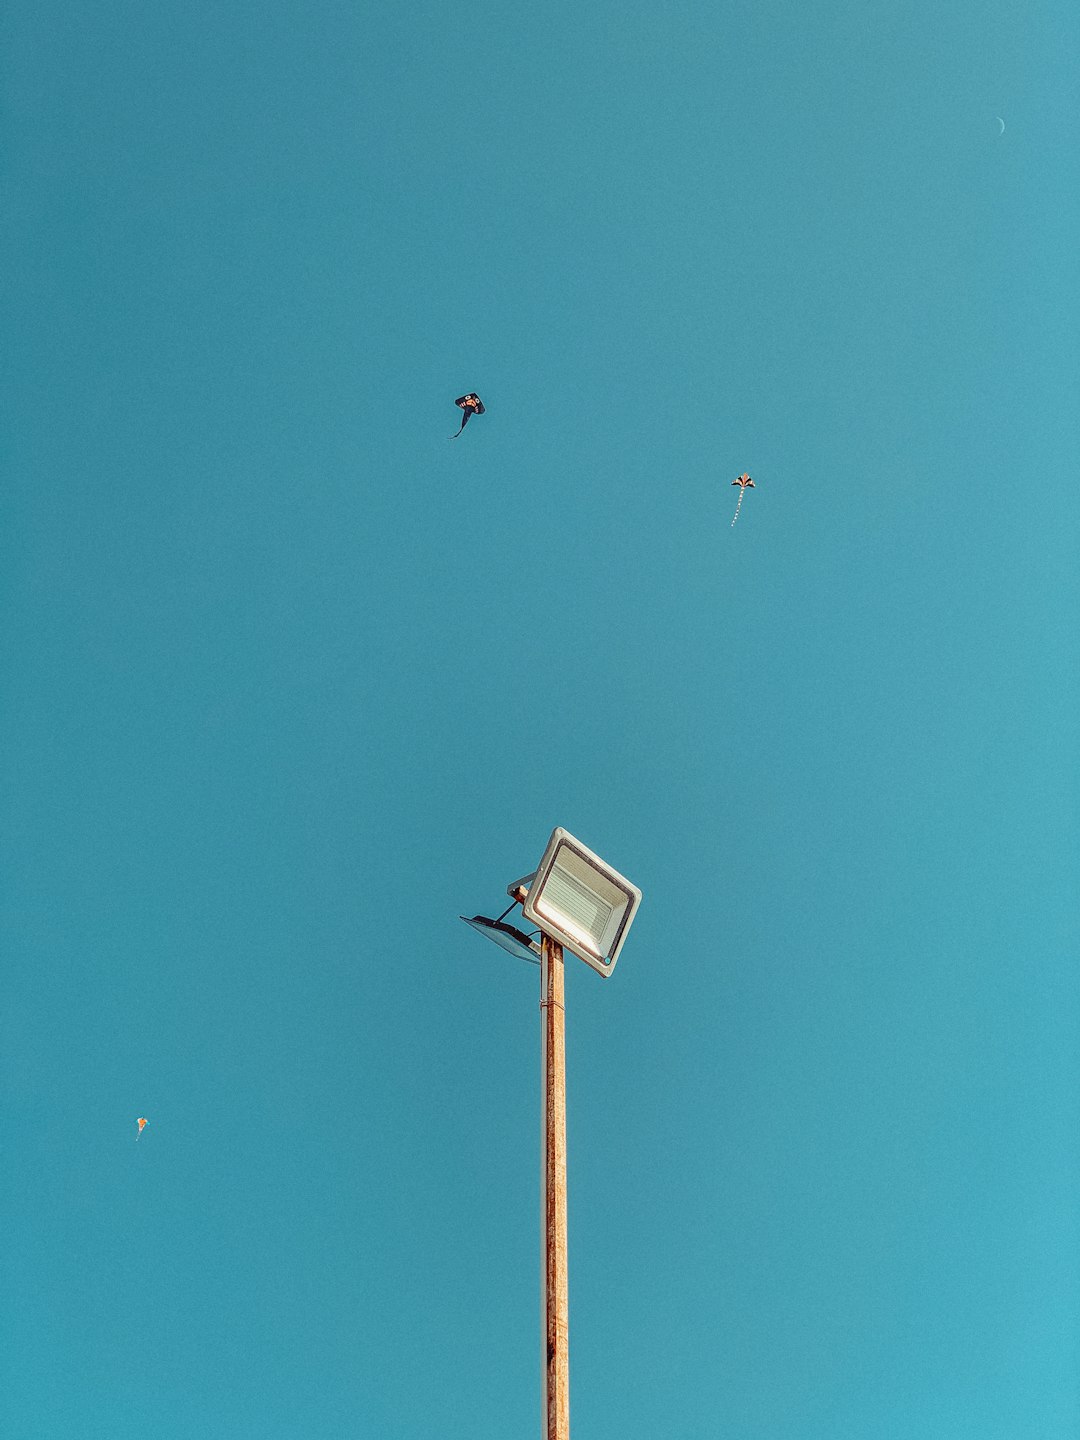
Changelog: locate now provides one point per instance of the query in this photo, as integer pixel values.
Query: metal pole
(556, 1314)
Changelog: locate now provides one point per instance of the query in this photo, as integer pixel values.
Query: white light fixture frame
(568, 861)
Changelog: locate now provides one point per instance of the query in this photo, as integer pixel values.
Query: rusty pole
(556, 1314)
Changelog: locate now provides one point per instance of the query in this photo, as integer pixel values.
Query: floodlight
(580, 901)
(510, 939)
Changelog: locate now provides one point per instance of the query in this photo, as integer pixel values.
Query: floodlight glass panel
(507, 937)
(579, 898)
(582, 902)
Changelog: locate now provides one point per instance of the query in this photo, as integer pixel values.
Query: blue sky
(289, 681)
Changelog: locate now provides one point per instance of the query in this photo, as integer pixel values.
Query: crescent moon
(1002, 124)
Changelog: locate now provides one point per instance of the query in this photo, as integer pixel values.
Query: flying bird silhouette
(469, 405)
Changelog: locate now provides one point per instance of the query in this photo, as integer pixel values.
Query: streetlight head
(582, 902)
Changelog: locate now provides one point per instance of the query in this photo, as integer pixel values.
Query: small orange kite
(141, 1122)
(745, 483)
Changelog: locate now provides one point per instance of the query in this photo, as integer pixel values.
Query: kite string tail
(738, 505)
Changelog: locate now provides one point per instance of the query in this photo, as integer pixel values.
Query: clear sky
(289, 680)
